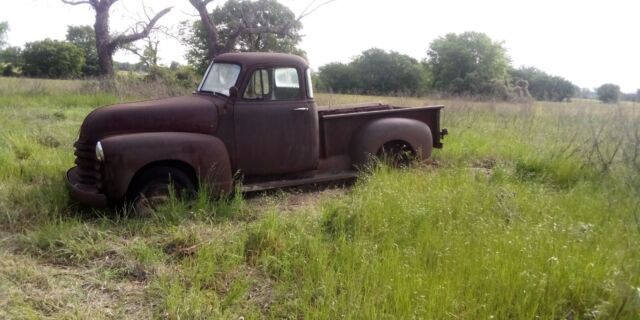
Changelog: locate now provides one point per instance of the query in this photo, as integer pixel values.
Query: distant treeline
(468, 64)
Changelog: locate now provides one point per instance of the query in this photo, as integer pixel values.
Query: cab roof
(248, 59)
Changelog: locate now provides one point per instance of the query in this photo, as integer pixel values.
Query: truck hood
(195, 113)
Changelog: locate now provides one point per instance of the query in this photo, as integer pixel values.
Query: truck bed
(338, 122)
(353, 108)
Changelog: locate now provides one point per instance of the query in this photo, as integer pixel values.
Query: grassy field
(530, 211)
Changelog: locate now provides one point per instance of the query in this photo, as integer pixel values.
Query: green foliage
(4, 28)
(52, 59)
(128, 66)
(335, 77)
(382, 72)
(468, 63)
(84, 37)
(11, 55)
(374, 71)
(183, 77)
(267, 13)
(8, 71)
(543, 86)
(186, 76)
(459, 64)
(609, 93)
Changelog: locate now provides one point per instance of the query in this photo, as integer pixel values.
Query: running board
(320, 178)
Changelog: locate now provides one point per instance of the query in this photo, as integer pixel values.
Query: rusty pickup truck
(252, 120)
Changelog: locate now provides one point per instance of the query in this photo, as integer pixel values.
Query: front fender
(125, 155)
(372, 136)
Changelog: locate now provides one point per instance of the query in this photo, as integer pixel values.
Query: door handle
(301, 109)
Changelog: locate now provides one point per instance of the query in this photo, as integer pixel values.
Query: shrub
(609, 93)
(52, 59)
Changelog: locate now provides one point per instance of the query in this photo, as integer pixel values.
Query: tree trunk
(209, 27)
(103, 45)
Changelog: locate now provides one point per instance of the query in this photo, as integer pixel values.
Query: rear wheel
(397, 154)
(154, 186)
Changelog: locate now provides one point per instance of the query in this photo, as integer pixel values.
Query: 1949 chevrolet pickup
(252, 119)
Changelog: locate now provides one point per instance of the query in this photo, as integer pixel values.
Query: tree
(4, 28)
(242, 25)
(107, 44)
(543, 86)
(336, 77)
(374, 71)
(52, 59)
(468, 63)
(11, 55)
(84, 37)
(379, 72)
(609, 93)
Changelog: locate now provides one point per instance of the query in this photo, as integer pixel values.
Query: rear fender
(372, 136)
(126, 154)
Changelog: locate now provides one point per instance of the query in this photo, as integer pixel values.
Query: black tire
(397, 154)
(151, 187)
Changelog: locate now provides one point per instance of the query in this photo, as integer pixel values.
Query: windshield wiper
(215, 93)
(207, 91)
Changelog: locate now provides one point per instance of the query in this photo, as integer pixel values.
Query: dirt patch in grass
(291, 200)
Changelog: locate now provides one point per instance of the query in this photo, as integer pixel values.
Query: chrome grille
(88, 167)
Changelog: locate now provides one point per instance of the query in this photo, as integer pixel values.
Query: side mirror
(233, 93)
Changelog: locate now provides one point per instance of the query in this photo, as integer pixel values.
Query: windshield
(220, 78)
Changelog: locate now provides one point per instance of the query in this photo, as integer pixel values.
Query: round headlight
(99, 152)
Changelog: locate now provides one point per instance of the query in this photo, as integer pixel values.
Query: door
(276, 124)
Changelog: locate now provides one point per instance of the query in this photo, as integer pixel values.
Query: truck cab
(274, 114)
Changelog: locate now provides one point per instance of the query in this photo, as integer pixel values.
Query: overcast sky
(588, 42)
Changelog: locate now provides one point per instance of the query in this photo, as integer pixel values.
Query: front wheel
(154, 186)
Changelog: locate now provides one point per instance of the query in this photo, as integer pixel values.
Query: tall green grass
(530, 211)
(427, 244)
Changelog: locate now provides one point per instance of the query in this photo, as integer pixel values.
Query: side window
(259, 87)
(309, 84)
(273, 84)
(287, 84)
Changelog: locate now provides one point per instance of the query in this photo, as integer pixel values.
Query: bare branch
(310, 9)
(122, 40)
(190, 14)
(75, 3)
(209, 25)
(135, 51)
(149, 61)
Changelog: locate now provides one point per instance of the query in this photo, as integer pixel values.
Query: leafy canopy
(543, 86)
(374, 71)
(264, 14)
(52, 59)
(4, 28)
(467, 63)
(84, 37)
(609, 93)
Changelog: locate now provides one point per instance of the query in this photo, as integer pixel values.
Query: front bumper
(83, 193)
